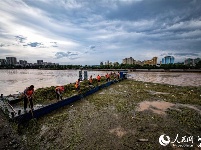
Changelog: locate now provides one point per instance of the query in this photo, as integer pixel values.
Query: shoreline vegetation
(127, 115)
(129, 70)
(134, 67)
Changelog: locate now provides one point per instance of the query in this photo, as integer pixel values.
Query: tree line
(121, 66)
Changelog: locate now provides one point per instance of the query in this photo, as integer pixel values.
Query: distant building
(191, 62)
(115, 64)
(45, 63)
(101, 63)
(168, 60)
(39, 62)
(29, 64)
(2, 62)
(129, 61)
(124, 61)
(139, 63)
(22, 62)
(152, 62)
(107, 63)
(188, 61)
(196, 61)
(11, 60)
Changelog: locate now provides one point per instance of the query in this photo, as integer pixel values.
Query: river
(13, 81)
(172, 78)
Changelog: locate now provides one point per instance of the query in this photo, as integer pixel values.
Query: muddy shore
(127, 115)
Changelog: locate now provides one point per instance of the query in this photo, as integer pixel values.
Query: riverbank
(9, 138)
(126, 115)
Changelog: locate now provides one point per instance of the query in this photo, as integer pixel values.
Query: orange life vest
(29, 92)
(90, 80)
(98, 77)
(76, 84)
(60, 88)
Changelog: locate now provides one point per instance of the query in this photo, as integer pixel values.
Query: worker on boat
(90, 80)
(107, 77)
(118, 75)
(28, 92)
(115, 76)
(77, 85)
(98, 78)
(59, 90)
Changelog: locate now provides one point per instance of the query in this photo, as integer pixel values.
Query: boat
(20, 117)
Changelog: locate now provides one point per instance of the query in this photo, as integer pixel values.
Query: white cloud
(113, 29)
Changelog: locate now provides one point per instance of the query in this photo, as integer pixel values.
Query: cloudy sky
(87, 32)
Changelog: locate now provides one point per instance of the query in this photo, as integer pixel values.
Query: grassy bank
(116, 118)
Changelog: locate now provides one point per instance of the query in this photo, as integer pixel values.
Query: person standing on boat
(28, 92)
(77, 85)
(107, 77)
(59, 90)
(98, 78)
(118, 75)
(90, 80)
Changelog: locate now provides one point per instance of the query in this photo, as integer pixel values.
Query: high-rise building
(2, 61)
(195, 61)
(163, 60)
(168, 60)
(11, 60)
(129, 61)
(101, 63)
(124, 61)
(153, 61)
(22, 62)
(39, 62)
(139, 63)
(188, 61)
(191, 62)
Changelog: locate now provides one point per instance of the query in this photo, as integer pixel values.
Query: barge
(39, 111)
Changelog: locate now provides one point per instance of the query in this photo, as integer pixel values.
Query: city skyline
(87, 33)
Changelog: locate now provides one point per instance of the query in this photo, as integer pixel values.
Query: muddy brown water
(172, 78)
(13, 81)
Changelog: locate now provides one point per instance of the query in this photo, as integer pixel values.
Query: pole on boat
(80, 75)
(85, 75)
